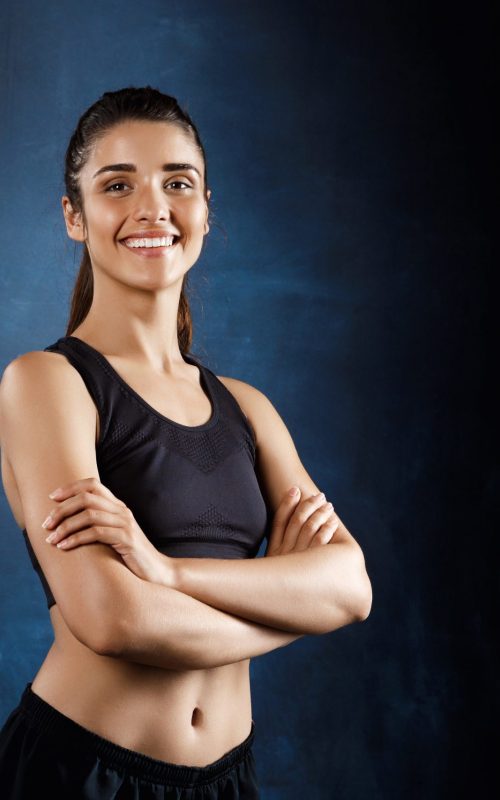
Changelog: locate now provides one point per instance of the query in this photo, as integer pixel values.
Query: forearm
(313, 591)
(166, 628)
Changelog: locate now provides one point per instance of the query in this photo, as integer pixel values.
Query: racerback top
(192, 490)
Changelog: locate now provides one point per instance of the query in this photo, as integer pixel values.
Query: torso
(187, 717)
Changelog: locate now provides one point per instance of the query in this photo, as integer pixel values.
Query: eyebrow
(173, 167)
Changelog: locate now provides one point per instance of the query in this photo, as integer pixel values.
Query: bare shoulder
(36, 378)
(36, 362)
(36, 366)
(243, 389)
(255, 404)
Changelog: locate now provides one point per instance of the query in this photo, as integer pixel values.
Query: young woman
(169, 477)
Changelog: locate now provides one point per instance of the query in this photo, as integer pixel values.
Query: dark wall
(348, 275)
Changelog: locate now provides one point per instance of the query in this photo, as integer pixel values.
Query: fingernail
(51, 537)
(46, 521)
(55, 493)
(293, 491)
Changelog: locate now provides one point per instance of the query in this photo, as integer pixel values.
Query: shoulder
(255, 404)
(41, 375)
(26, 372)
(35, 364)
(40, 366)
(242, 390)
(38, 380)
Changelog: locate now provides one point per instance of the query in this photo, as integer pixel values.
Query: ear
(207, 226)
(74, 222)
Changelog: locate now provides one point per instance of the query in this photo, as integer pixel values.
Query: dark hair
(112, 108)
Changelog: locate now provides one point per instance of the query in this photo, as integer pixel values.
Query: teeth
(164, 241)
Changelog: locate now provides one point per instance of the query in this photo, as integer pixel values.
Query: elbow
(350, 597)
(108, 636)
(92, 631)
(363, 595)
(365, 604)
(108, 644)
(365, 598)
(360, 595)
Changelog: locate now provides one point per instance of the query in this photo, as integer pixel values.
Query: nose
(151, 203)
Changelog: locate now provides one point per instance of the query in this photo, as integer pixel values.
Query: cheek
(195, 212)
(103, 222)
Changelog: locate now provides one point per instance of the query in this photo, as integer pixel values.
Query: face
(142, 201)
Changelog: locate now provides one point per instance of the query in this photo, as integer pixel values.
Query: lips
(151, 234)
(150, 251)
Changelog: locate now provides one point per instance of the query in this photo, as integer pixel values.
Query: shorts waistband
(49, 720)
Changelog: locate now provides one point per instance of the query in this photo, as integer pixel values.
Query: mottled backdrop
(347, 275)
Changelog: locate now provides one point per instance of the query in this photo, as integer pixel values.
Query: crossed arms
(205, 613)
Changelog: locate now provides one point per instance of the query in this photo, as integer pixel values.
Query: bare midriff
(189, 717)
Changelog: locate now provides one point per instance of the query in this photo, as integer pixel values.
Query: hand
(90, 512)
(300, 525)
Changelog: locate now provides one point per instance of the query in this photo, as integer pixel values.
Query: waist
(185, 717)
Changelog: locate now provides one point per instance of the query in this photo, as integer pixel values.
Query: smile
(164, 241)
(151, 247)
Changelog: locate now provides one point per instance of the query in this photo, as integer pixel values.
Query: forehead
(143, 142)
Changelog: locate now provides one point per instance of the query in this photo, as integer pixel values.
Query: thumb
(285, 508)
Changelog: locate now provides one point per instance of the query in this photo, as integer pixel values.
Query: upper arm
(48, 424)
(277, 460)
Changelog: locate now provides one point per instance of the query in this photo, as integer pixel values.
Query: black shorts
(44, 753)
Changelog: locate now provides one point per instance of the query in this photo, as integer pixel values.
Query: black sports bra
(193, 490)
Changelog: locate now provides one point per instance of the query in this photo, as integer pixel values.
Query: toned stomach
(190, 717)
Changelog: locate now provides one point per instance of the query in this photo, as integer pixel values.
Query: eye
(180, 182)
(111, 186)
(118, 183)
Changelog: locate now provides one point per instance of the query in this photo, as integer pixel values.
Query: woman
(169, 478)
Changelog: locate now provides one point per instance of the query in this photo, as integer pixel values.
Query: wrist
(166, 575)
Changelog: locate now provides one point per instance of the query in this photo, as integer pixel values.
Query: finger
(319, 529)
(89, 484)
(87, 536)
(284, 511)
(299, 519)
(326, 533)
(314, 522)
(79, 502)
(94, 519)
(92, 484)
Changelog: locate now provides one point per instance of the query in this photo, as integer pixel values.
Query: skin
(142, 687)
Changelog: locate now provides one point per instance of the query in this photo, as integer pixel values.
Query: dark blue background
(347, 275)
